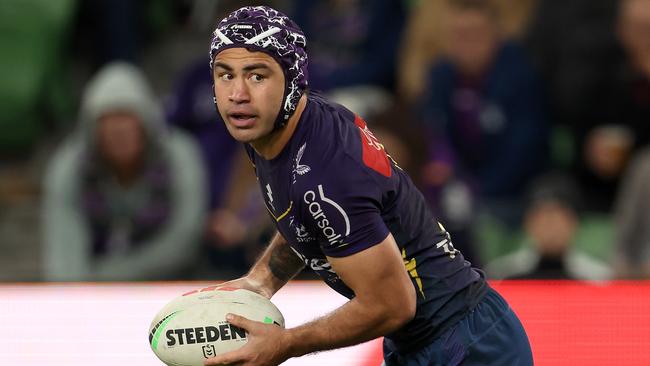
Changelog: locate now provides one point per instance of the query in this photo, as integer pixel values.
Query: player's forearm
(277, 265)
(353, 323)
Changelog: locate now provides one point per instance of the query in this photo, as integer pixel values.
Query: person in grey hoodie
(125, 194)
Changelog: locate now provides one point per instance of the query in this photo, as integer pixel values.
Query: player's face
(249, 87)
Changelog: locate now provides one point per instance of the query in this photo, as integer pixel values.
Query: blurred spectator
(124, 196)
(486, 115)
(621, 127)
(591, 53)
(628, 113)
(352, 49)
(423, 38)
(551, 223)
(486, 104)
(632, 217)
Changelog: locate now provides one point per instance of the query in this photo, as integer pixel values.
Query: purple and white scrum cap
(260, 28)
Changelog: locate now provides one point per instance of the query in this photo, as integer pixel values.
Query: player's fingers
(239, 321)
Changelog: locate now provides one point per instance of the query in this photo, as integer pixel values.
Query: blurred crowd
(521, 121)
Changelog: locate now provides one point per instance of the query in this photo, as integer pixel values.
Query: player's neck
(272, 145)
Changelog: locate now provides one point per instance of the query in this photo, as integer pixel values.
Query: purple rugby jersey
(333, 191)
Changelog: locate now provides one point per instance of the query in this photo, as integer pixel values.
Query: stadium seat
(32, 36)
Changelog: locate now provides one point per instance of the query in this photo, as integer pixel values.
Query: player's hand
(266, 345)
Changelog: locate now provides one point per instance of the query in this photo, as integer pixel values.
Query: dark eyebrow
(256, 66)
(222, 65)
(246, 68)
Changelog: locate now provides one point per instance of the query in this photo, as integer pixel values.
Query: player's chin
(243, 135)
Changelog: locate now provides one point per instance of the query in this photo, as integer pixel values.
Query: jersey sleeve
(340, 203)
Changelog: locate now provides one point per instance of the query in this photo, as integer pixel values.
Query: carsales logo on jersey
(317, 202)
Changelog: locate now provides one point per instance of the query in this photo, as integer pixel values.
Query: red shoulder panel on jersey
(374, 155)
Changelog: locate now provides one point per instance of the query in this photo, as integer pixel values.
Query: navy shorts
(491, 334)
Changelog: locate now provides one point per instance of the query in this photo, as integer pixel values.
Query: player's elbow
(403, 310)
(408, 308)
(398, 318)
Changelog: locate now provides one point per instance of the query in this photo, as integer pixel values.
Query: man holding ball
(343, 207)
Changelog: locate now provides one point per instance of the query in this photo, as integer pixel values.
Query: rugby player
(345, 209)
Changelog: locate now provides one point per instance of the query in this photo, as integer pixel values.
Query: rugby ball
(193, 327)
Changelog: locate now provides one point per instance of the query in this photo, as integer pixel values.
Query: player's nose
(239, 92)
